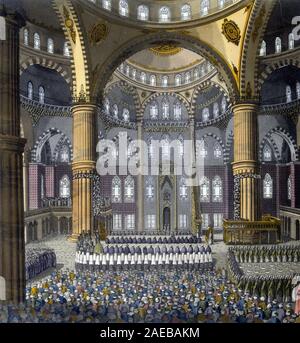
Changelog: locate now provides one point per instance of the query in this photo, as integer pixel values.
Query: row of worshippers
(156, 233)
(37, 260)
(143, 297)
(119, 257)
(153, 240)
(269, 286)
(259, 254)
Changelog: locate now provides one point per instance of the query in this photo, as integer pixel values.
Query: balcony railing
(266, 231)
(38, 110)
(57, 202)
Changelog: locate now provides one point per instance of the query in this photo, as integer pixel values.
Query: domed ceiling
(165, 58)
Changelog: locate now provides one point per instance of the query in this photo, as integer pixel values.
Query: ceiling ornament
(165, 50)
(231, 31)
(69, 24)
(98, 33)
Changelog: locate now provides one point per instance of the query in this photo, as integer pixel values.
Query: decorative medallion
(69, 24)
(98, 33)
(166, 49)
(231, 31)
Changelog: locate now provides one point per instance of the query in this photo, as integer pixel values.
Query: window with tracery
(217, 150)
(217, 189)
(204, 190)
(123, 8)
(154, 110)
(143, 12)
(165, 109)
(50, 45)
(116, 190)
(164, 14)
(177, 110)
(41, 95)
(268, 187)
(36, 41)
(129, 189)
(186, 12)
(64, 187)
(30, 90)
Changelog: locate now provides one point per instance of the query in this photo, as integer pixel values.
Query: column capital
(76, 108)
(245, 107)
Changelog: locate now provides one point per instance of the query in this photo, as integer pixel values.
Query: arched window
(165, 109)
(116, 190)
(288, 94)
(204, 190)
(50, 46)
(267, 153)
(143, 77)
(149, 189)
(268, 187)
(64, 154)
(289, 188)
(164, 14)
(115, 111)
(187, 77)
(291, 41)
(64, 187)
(126, 115)
(178, 80)
(278, 45)
(216, 110)
(153, 80)
(127, 70)
(26, 37)
(66, 49)
(263, 49)
(183, 190)
(123, 8)
(106, 4)
(129, 189)
(224, 105)
(30, 90)
(177, 110)
(121, 67)
(41, 95)
(201, 148)
(205, 114)
(196, 74)
(106, 105)
(134, 74)
(298, 90)
(204, 7)
(143, 12)
(186, 12)
(217, 150)
(165, 147)
(217, 189)
(154, 110)
(221, 3)
(36, 41)
(165, 81)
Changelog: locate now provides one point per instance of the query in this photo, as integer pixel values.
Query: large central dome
(165, 58)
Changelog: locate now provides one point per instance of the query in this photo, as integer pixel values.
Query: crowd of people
(143, 253)
(260, 254)
(145, 257)
(37, 260)
(141, 297)
(267, 286)
(153, 240)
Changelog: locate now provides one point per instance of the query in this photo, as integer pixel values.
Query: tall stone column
(246, 169)
(140, 180)
(83, 166)
(12, 236)
(195, 188)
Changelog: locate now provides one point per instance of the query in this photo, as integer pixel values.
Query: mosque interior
(222, 74)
